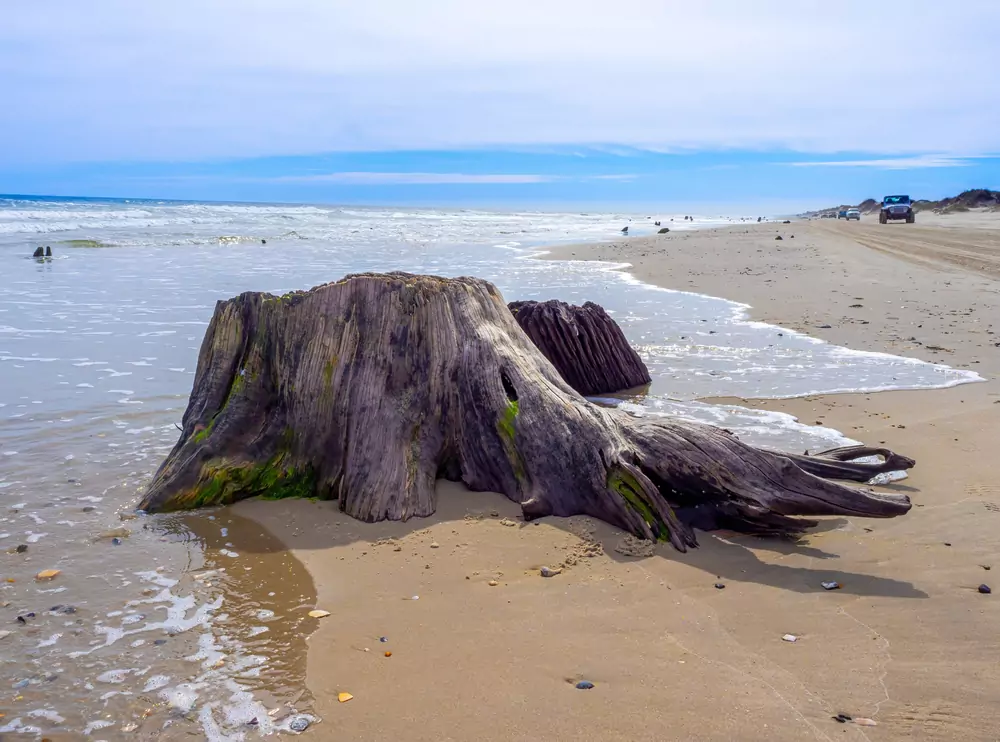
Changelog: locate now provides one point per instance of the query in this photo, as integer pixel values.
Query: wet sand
(908, 641)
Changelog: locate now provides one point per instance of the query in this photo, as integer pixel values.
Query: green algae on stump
(369, 389)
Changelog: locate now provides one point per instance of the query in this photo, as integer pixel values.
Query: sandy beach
(689, 647)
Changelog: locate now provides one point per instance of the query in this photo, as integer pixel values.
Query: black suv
(896, 207)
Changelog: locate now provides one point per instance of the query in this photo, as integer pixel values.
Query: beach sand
(908, 641)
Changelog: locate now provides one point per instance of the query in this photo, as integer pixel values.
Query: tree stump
(369, 389)
(587, 347)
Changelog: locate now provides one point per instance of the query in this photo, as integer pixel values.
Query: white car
(853, 214)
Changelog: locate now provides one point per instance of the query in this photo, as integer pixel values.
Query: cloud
(192, 81)
(377, 178)
(897, 163)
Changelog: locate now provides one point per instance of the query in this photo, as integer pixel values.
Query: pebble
(863, 722)
(299, 724)
(117, 541)
(21, 548)
(548, 572)
(508, 522)
(383, 639)
(493, 583)
(344, 697)
(831, 585)
(48, 574)
(160, 642)
(985, 589)
(318, 614)
(435, 545)
(22, 683)
(584, 685)
(719, 586)
(4, 634)
(789, 638)
(842, 718)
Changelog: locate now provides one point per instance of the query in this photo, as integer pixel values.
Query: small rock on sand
(985, 589)
(318, 614)
(4, 634)
(493, 583)
(508, 522)
(48, 574)
(549, 572)
(635, 547)
(435, 545)
(789, 638)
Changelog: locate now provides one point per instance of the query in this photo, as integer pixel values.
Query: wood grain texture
(369, 389)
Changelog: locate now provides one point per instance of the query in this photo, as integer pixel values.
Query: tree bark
(587, 347)
(369, 389)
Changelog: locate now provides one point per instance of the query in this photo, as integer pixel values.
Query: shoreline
(906, 641)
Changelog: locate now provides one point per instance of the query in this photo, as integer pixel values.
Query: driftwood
(585, 345)
(369, 389)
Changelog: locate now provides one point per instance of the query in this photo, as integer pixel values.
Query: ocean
(194, 623)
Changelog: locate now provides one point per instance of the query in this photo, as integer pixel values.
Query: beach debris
(20, 548)
(663, 230)
(299, 723)
(21, 684)
(832, 585)
(985, 566)
(67, 610)
(4, 634)
(159, 642)
(567, 335)
(114, 533)
(48, 574)
(779, 237)
(512, 406)
(383, 639)
(508, 522)
(130, 726)
(985, 589)
(492, 583)
(549, 572)
(344, 697)
(862, 721)
(719, 586)
(435, 545)
(842, 718)
(584, 685)
(388, 654)
(415, 597)
(318, 613)
(789, 638)
(635, 547)
(116, 541)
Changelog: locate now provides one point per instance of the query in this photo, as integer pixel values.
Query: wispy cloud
(286, 77)
(896, 163)
(377, 178)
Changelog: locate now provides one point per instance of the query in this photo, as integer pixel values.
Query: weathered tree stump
(369, 389)
(587, 347)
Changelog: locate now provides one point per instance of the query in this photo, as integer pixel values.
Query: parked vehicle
(853, 214)
(895, 208)
(842, 214)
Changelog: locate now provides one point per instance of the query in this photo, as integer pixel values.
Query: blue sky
(772, 104)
